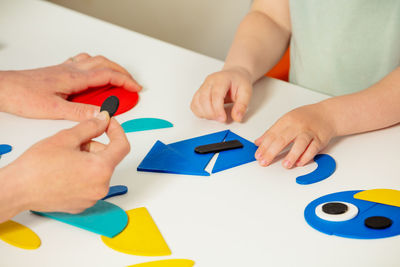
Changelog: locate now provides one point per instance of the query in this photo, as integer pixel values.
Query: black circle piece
(334, 208)
(111, 105)
(378, 222)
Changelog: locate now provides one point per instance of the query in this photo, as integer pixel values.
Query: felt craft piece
(19, 235)
(218, 147)
(378, 222)
(141, 236)
(236, 157)
(116, 190)
(145, 124)
(166, 263)
(355, 227)
(110, 105)
(180, 157)
(5, 149)
(326, 167)
(103, 218)
(96, 96)
(383, 196)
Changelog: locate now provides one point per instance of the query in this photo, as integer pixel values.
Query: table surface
(245, 216)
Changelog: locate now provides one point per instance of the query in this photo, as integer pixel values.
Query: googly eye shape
(378, 222)
(336, 211)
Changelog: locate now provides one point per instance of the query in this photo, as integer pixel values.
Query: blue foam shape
(145, 124)
(103, 218)
(163, 159)
(116, 190)
(326, 167)
(235, 157)
(354, 228)
(180, 157)
(5, 149)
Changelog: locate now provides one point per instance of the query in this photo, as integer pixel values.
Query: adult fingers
(119, 145)
(241, 100)
(105, 76)
(86, 130)
(75, 111)
(299, 146)
(93, 147)
(101, 62)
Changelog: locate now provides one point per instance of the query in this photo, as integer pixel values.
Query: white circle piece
(351, 212)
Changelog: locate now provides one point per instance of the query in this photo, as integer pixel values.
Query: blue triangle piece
(103, 218)
(235, 157)
(164, 159)
(186, 148)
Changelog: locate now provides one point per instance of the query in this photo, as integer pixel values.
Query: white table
(246, 216)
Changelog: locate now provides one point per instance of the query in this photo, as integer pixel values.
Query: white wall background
(205, 26)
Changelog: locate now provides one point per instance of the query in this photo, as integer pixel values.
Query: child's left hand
(309, 128)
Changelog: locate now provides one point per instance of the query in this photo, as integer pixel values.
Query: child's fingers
(312, 150)
(217, 99)
(241, 99)
(299, 146)
(205, 103)
(195, 106)
(278, 144)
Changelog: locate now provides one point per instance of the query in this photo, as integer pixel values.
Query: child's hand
(309, 128)
(230, 85)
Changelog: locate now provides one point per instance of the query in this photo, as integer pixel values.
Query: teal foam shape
(103, 218)
(145, 124)
(235, 157)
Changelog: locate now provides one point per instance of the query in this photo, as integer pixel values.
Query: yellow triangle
(166, 263)
(19, 235)
(140, 237)
(383, 196)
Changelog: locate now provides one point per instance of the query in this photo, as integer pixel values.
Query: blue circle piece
(354, 228)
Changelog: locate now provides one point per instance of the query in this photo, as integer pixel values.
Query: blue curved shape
(354, 228)
(326, 167)
(145, 124)
(116, 190)
(5, 149)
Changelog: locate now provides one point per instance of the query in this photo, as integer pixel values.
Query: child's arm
(311, 127)
(261, 40)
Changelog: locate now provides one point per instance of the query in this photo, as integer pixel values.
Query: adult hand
(42, 93)
(230, 85)
(309, 128)
(67, 172)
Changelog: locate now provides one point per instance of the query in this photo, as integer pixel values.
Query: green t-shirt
(343, 46)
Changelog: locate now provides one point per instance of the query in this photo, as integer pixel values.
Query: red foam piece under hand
(96, 96)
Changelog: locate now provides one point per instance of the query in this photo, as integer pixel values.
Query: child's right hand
(226, 86)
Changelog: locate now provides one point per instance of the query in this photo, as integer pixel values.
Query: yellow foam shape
(383, 196)
(166, 263)
(19, 235)
(140, 237)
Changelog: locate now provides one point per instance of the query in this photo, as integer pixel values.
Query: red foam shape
(96, 96)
